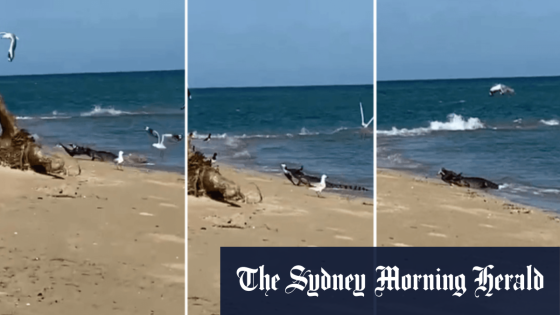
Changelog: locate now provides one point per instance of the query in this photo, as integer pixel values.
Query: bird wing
(370, 121)
(153, 133)
(166, 135)
(362, 112)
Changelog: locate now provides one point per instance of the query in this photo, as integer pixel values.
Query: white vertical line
(375, 123)
(186, 154)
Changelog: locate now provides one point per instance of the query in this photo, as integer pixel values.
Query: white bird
(159, 144)
(364, 125)
(13, 38)
(319, 187)
(119, 160)
(502, 89)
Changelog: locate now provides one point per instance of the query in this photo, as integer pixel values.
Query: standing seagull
(364, 125)
(213, 160)
(208, 138)
(119, 161)
(13, 38)
(319, 188)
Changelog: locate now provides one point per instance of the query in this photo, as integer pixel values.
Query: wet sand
(415, 211)
(288, 216)
(103, 242)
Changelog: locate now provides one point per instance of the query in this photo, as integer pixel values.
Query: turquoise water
(511, 140)
(260, 128)
(106, 111)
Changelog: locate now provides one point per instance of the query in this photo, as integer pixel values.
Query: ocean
(317, 127)
(104, 111)
(510, 140)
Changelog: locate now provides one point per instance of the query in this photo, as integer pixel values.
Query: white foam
(552, 122)
(339, 129)
(454, 123)
(305, 132)
(100, 111)
(242, 154)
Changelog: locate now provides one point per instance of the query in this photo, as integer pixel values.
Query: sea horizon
(469, 79)
(87, 73)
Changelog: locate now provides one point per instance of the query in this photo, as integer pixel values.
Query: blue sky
(443, 39)
(280, 43)
(71, 36)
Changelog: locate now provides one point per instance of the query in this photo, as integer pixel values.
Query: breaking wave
(454, 123)
(552, 122)
(109, 111)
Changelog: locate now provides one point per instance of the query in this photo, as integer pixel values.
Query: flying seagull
(502, 89)
(319, 187)
(159, 145)
(208, 138)
(13, 38)
(364, 125)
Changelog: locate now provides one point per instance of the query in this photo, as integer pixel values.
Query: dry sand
(288, 216)
(413, 211)
(103, 242)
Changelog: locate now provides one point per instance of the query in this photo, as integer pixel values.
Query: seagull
(319, 187)
(288, 173)
(13, 38)
(364, 125)
(213, 160)
(159, 144)
(502, 89)
(119, 161)
(208, 138)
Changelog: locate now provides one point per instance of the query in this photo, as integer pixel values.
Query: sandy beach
(415, 211)
(102, 242)
(288, 216)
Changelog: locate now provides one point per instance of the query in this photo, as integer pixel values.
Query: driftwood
(205, 180)
(19, 150)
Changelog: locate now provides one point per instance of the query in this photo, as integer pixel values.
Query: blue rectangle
(460, 267)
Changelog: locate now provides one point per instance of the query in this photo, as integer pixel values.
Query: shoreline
(287, 216)
(417, 211)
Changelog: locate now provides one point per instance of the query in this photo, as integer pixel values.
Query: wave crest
(454, 123)
(552, 122)
(100, 111)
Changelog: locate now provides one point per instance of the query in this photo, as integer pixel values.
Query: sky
(70, 36)
(443, 39)
(253, 43)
